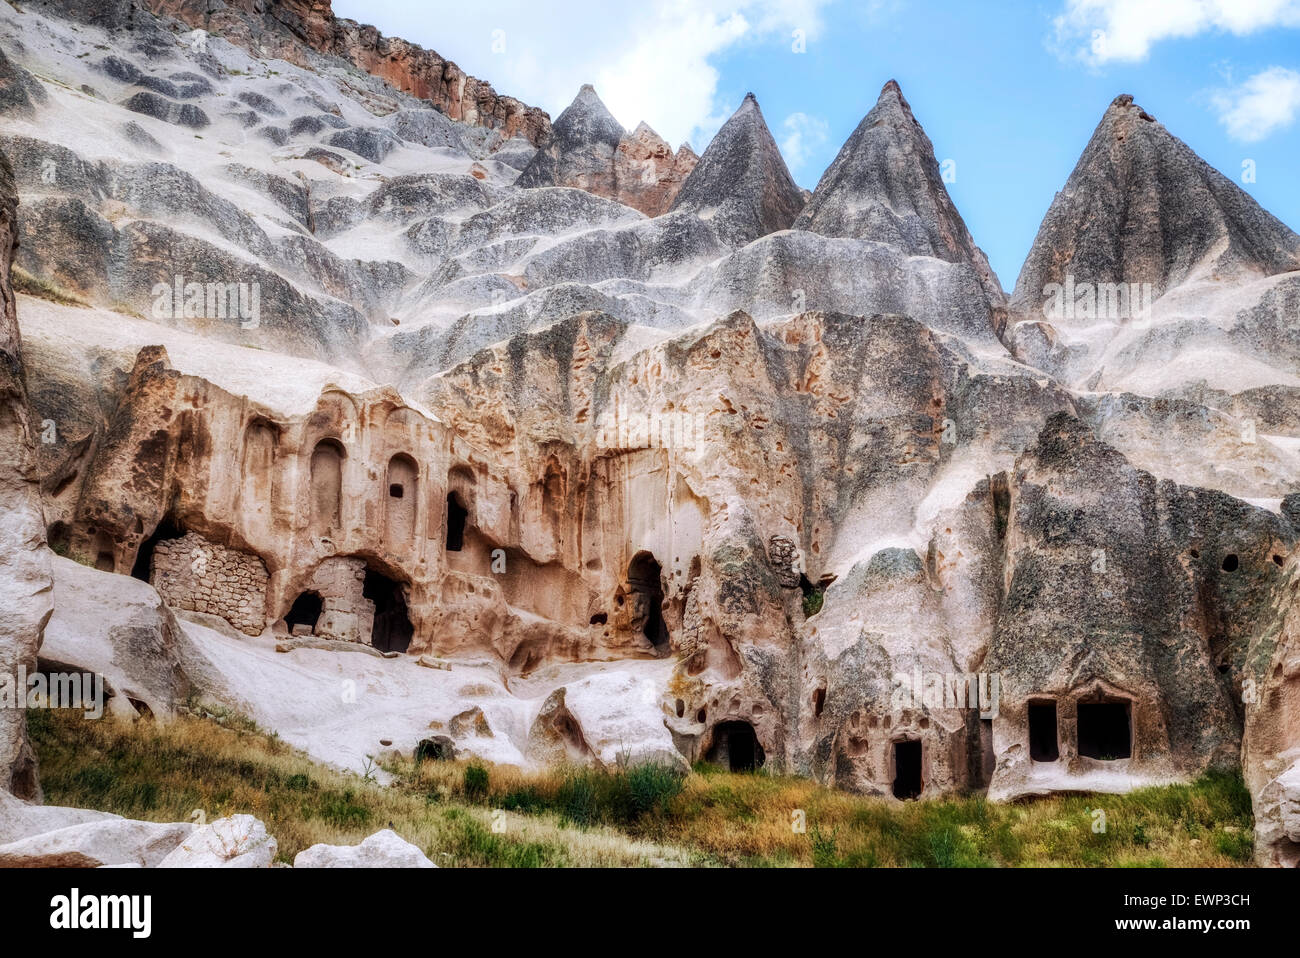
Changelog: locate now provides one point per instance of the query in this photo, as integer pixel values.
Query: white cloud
(650, 60)
(803, 135)
(1101, 31)
(1266, 102)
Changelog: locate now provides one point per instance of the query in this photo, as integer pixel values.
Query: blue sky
(1010, 93)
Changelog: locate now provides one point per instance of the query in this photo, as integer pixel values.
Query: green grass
(473, 814)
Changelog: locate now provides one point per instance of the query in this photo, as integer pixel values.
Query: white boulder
(384, 849)
(240, 841)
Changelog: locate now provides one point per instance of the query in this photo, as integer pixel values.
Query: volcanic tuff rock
(694, 484)
(1141, 207)
(886, 185)
(1151, 268)
(589, 149)
(741, 185)
(25, 587)
(383, 849)
(299, 30)
(581, 148)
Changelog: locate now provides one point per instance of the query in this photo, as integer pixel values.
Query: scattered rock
(384, 849)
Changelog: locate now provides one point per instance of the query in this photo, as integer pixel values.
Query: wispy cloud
(803, 134)
(1266, 102)
(1102, 31)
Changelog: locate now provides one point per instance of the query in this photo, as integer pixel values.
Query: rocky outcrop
(120, 630)
(294, 30)
(1141, 207)
(711, 476)
(589, 150)
(885, 185)
(20, 93)
(112, 841)
(1270, 754)
(580, 150)
(1129, 607)
(25, 586)
(648, 175)
(240, 841)
(741, 186)
(383, 849)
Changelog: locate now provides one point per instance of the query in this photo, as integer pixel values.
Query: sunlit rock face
(593, 448)
(25, 583)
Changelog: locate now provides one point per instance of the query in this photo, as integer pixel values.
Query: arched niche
(257, 473)
(460, 506)
(327, 485)
(401, 493)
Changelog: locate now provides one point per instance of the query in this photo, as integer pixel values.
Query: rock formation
(588, 149)
(886, 185)
(558, 462)
(25, 592)
(741, 186)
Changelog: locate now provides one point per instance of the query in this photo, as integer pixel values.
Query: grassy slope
(643, 816)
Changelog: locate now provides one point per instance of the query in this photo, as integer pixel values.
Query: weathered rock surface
(741, 185)
(20, 819)
(1141, 207)
(580, 151)
(240, 841)
(384, 849)
(886, 185)
(663, 474)
(116, 841)
(121, 630)
(25, 593)
(589, 150)
(1270, 754)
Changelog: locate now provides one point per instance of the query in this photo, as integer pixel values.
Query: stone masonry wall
(194, 574)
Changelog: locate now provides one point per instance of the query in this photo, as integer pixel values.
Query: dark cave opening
(907, 770)
(166, 529)
(736, 745)
(1105, 730)
(645, 576)
(1043, 741)
(457, 515)
(305, 610)
(392, 629)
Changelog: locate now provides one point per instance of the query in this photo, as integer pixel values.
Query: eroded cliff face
(589, 150)
(1271, 748)
(682, 464)
(298, 30)
(25, 587)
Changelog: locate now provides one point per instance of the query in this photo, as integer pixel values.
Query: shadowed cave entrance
(1042, 732)
(305, 610)
(1105, 731)
(166, 529)
(735, 746)
(457, 515)
(392, 630)
(645, 577)
(907, 770)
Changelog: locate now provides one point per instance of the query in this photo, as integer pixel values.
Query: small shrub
(475, 784)
(651, 787)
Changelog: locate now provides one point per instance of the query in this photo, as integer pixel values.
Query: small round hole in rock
(1230, 562)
